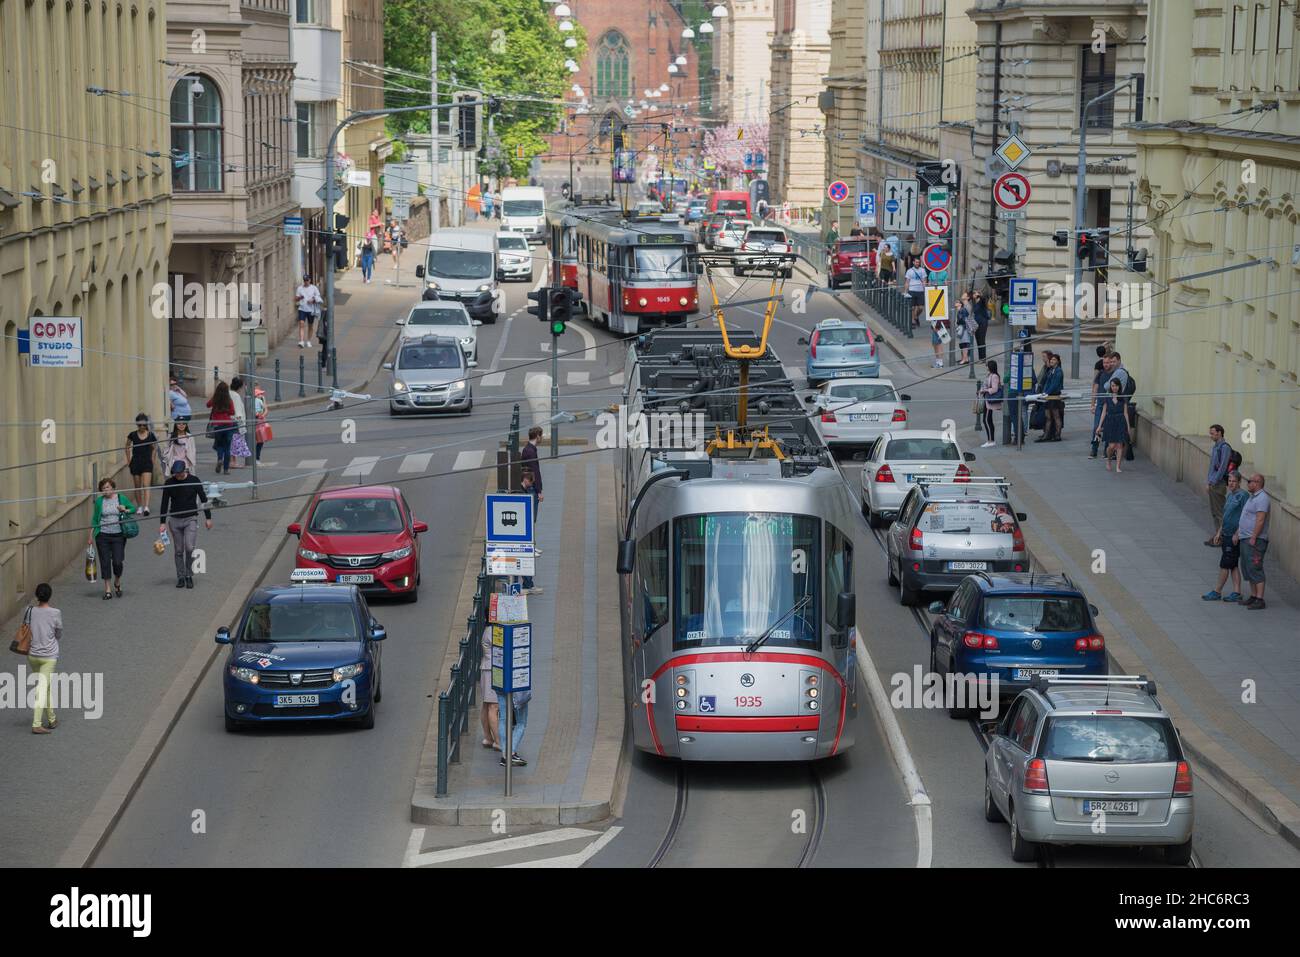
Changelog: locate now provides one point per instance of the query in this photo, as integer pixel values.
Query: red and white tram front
(740, 656)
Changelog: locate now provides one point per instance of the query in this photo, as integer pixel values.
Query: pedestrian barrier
(456, 703)
(893, 306)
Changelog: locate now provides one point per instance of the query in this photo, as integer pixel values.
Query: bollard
(334, 366)
(277, 378)
(320, 381)
(453, 731)
(443, 715)
(302, 375)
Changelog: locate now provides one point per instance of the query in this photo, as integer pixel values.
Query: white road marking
(588, 340)
(416, 462)
(616, 379)
(546, 347)
(573, 860)
(468, 459)
(492, 380)
(361, 466)
(501, 346)
(541, 281)
(579, 378)
(419, 858)
(533, 377)
(311, 465)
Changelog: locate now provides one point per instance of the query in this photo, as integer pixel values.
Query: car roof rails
(1044, 683)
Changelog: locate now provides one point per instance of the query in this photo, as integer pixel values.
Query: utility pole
(556, 285)
(435, 213)
(250, 406)
(1080, 201)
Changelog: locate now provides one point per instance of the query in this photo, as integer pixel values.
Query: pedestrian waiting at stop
(46, 624)
(1216, 478)
(182, 497)
(489, 710)
(1252, 537)
(519, 722)
(109, 529)
(1234, 501)
(1113, 431)
(965, 327)
(526, 484)
(989, 402)
(915, 278)
(1050, 385)
(221, 425)
(141, 453)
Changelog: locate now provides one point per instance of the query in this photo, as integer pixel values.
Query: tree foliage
(500, 47)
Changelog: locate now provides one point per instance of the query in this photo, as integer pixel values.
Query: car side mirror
(223, 636)
(419, 527)
(810, 399)
(1021, 516)
(476, 322)
(378, 632)
(803, 340)
(399, 322)
(419, 272)
(626, 556)
(388, 366)
(1093, 608)
(473, 364)
(969, 456)
(936, 608)
(905, 397)
(295, 529)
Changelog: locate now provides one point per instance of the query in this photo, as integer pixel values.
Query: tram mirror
(846, 610)
(419, 272)
(626, 556)
(810, 399)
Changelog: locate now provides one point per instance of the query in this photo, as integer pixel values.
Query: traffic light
(341, 221)
(1137, 260)
(1061, 237)
(562, 304)
(1000, 272)
(467, 124)
(543, 308)
(1085, 248)
(339, 249)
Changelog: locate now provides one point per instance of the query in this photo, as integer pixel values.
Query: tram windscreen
(660, 262)
(737, 574)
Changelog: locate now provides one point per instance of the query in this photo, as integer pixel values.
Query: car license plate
(1024, 674)
(296, 700)
(967, 566)
(357, 579)
(846, 373)
(910, 477)
(865, 417)
(1110, 807)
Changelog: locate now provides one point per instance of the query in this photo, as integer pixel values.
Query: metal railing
(894, 306)
(456, 703)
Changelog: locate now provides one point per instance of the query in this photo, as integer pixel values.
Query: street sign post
(938, 221)
(1022, 302)
(900, 205)
(512, 672)
(293, 225)
(838, 191)
(509, 534)
(401, 185)
(936, 258)
(1011, 191)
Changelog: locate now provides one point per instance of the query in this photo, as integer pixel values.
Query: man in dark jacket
(980, 309)
(182, 495)
(531, 463)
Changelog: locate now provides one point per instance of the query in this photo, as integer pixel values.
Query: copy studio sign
(55, 341)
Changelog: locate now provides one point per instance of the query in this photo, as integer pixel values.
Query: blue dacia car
(307, 651)
(1015, 627)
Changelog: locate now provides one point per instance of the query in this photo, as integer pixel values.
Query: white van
(461, 264)
(523, 210)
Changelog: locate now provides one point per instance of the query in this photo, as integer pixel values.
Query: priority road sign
(838, 191)
(938, 221)
(936, 258)
(1011, 191)
(1013, 151)
(936, 303)
(900, 205)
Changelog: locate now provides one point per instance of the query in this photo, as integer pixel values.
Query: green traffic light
(557, 328)
(1006, 309)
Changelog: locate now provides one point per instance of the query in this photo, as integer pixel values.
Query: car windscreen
(419, 356)
(855, 249)
(1110, 738)
(1035, 613)
(970, 518)
(764, 236)
(459, 263)
(862, 393)
(513, 243)
(842, 337)
(286, 620)
(433, 316)
(732, 205)
(921, 450)
(660, 262)
(522, 207)
(356, 516)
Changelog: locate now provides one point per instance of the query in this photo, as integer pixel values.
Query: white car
(764, 248)
(896, 460)
(853, 413)
(441, 317)
(514, 257)
(731, 236)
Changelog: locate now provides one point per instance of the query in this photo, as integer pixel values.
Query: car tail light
(963, 473)
(1036, 777)
(1183, 779)
(977, 639)
(900, 415)
(828, 416)
(884, 474)
(812, 345)
(1017, 541)
(872, 340)
(915, 543)
(1090, 643)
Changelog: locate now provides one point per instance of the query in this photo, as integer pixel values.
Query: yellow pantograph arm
(769, 314)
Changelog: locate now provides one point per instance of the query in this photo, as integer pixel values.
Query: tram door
(650, 629)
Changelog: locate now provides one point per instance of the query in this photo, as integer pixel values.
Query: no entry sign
(938, 221)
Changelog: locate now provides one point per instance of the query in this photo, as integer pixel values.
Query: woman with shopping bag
(110, 528)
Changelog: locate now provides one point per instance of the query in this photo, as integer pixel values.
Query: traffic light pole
(1006, 351)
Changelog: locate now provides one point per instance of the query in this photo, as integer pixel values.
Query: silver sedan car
(853, 413)
(1090, 761)
(895, 461)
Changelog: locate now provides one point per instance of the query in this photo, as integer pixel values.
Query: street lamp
(565, 26)
(672, 68)
(688, 34)
(706, 27)
(570, 42)
(719, 12)
(681, 59)
(563, 10)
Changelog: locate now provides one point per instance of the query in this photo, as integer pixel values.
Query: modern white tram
(736, 562)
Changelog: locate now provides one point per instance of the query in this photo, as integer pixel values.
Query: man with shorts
(308, 299)
(1252, 537)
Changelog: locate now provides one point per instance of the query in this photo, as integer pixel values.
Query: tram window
(660, 262)
(652, 577)
(839, 573)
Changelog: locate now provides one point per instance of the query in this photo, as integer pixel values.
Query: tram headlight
(642, 302)
(681, 692)
(812, 692)
(681, 705)
(812, 705)
(683, 300)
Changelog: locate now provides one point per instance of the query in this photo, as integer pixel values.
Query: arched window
(612, 79)
(196, 135)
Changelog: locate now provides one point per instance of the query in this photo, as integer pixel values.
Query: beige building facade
(744, 42)
(801, 55)
(230, 95)
(1219, 161)
(84, 232)
(844, 104)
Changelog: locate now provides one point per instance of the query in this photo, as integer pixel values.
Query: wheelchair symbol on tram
(708, 703)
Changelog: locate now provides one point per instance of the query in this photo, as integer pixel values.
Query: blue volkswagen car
(1014, 627)
(303, 652)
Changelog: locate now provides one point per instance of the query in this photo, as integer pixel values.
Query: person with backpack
(1216, 480)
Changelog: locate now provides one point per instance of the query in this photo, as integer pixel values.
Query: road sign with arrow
(900, 205)
(1011, 191)
(938, 221)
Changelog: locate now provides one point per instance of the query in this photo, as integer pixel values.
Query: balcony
(318, 51)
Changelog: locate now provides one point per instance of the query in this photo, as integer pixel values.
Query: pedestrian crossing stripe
(936, 303)
(468, 459)
(493, 380)
(361, 466)
(414, 463)
(579, 378)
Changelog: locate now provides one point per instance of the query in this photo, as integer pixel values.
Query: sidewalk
(575, 721)
(1229, 676)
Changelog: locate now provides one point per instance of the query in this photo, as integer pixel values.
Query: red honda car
(364, 536)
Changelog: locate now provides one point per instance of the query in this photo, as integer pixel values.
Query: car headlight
(311, 556)
(397, 553)
(349, 671)
(431, 284)
(399, 385)
(458, 386)
(484, 288)
(244, 674)
(467, 341)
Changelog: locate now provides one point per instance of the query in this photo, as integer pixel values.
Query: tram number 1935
(749, 701)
